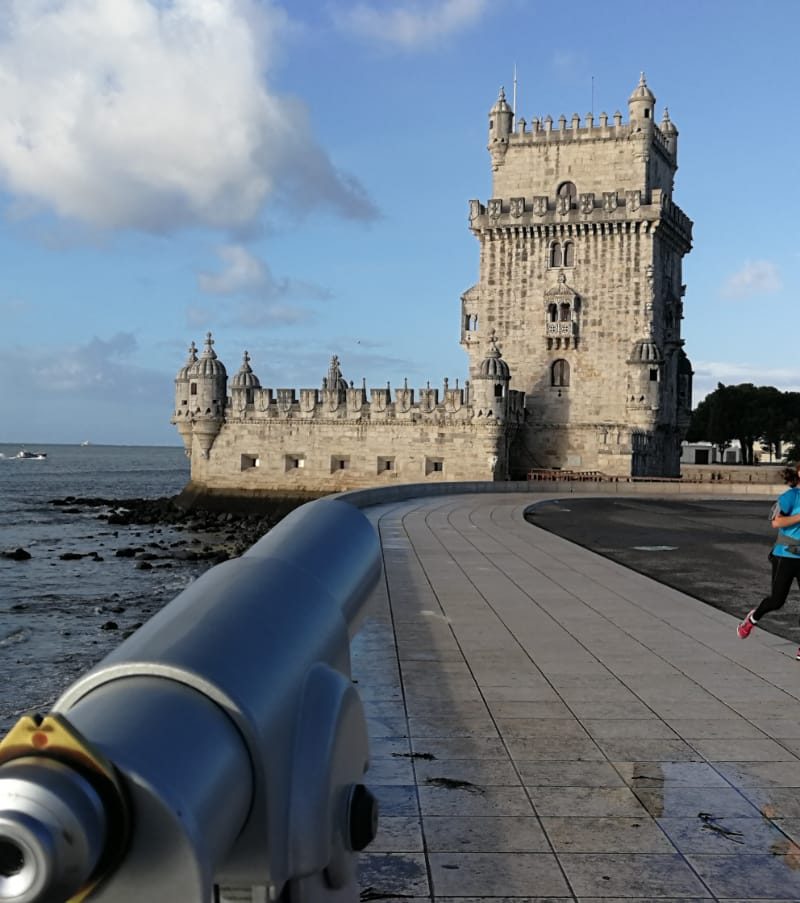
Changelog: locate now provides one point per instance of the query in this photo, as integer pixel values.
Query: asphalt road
(714, 550)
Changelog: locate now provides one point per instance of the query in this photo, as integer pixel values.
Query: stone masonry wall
(465, 451)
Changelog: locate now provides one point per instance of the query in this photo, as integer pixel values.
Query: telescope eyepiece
(12, 858)
(51, 830)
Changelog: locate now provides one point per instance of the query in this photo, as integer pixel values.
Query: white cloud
(98, 369)
(246, 275)
(707, 375)
(243, 273)
(411, 25)
(756, 277)
(155, 114)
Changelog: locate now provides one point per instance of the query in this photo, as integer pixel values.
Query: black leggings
(784, 570)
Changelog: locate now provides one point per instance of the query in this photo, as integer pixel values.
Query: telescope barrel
(233, 724)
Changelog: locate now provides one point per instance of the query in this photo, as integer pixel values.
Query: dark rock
(109, 625)
(128, 551)
(71, 556)
(16, 554)
(144, 566)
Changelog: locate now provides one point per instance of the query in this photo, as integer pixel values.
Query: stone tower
(581, 250)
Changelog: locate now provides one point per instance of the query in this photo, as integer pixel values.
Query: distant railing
(596, 476)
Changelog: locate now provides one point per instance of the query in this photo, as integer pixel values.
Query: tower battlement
(602, 128)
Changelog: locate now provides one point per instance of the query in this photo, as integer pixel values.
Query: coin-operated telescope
(222, 745)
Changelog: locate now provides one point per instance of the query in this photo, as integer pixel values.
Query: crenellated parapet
(587, 213)
(572, 130)
(439, 405)
(243, 402)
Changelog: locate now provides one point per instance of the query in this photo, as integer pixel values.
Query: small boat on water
(35, 456)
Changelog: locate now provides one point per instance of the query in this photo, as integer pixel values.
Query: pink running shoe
(798, 655)
(746, 626)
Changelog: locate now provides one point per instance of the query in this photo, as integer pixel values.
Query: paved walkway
(549, 725)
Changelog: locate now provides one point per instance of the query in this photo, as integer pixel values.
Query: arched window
(569, 254)
(555, 254)
(552, 312)
(565, 313)
(559, 373)
(567, 190)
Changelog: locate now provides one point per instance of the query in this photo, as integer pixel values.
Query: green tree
(712, 420)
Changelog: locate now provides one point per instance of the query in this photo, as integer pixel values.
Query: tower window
(555, 254)
(498, 390)
(567, 190)
(565, 313)
(559, 373)
(434, 465)
(653, 375)
(552, 313)
(249, 461)
(647, 114)
(193, 389)
(569, 254)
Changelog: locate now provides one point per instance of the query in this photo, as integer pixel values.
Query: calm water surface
(55, 614)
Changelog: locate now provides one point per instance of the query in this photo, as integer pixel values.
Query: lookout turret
(501, 124)
(208, 386)
(243, 386)
(182, 415)
(490, 384)
(641, 105)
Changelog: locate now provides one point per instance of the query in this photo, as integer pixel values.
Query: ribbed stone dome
(245, 378)
(493, 366)
(641, 91)
(646, 352)
(667, 125)
(501, 104)
(183, 373)
(209, 364)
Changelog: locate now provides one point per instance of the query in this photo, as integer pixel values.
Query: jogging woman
(785, 554)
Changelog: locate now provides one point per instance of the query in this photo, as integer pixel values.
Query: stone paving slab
(546, 725)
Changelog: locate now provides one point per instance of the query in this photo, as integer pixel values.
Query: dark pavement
(714, 550)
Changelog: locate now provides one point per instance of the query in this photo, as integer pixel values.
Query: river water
(59, 616)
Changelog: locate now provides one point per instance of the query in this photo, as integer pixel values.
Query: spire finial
(642, 79)
(193, 352)
(209, 352)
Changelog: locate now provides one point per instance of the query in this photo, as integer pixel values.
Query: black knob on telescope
(363, 818)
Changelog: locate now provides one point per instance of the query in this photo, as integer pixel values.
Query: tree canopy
(748, 414)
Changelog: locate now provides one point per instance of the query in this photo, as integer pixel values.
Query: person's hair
(790, 475)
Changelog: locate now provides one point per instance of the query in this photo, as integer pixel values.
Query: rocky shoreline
(86, 580)
(233, 533)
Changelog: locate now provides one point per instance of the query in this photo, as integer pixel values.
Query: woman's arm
(785, 520)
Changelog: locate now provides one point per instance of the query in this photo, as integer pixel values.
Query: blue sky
(295, 177)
